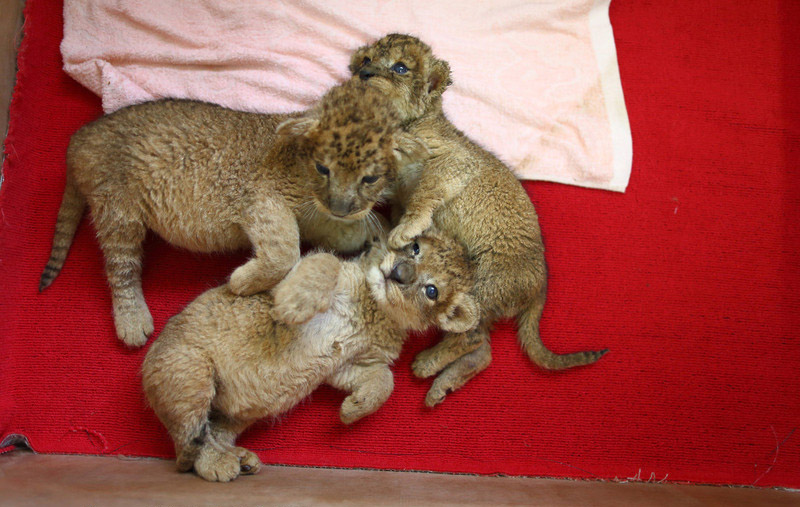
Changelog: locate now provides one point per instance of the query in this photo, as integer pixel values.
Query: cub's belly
(276, 384)
(199, 232)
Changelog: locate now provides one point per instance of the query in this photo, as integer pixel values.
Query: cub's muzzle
(341, 207)
(403, 273)
(366, 73)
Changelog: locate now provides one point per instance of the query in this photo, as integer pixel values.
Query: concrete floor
(33, 479)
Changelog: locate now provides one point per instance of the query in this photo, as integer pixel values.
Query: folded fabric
(537, 83)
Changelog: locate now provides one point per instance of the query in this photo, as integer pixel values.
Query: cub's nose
(340, 207)
(365, 73)
(402, 273)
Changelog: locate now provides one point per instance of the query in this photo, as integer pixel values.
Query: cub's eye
(322, 169)
(399, 68)
(370, 179)
(432, 292)
(365, 61)
(415, 251)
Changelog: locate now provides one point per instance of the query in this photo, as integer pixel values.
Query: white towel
(537, 83)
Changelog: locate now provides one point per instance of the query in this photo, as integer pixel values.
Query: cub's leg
(431, 361)
(428, 196)
(460, 371)
(219, 460)
(370, 385)
(120, 235)
(180, 386)
(307, 289)
(272, 229)
(414, 222)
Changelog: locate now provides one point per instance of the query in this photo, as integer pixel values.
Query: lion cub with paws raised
(468, 193)
(226, 361)
(209, 179)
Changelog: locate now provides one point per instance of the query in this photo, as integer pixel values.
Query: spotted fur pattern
(209, 179)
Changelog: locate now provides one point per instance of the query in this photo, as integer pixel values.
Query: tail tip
(598, 354)
(43, 284)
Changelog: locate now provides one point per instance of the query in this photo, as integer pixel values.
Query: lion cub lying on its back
(225, 361)
(212, 179)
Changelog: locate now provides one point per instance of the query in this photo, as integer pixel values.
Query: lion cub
(225, 361)
(467, 192)
(209, 179)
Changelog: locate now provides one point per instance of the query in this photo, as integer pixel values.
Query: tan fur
(211, 179)
(467, 192)
(226, 361)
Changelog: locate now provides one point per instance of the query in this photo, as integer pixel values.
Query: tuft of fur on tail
(69, 216)
(531, 342)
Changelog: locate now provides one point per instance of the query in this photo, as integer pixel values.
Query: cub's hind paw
(441, 387)
(216, 465)
(133, 325)
(427, 364)
(458, 373)
(249, 464)
(354, 408)
(434, 397)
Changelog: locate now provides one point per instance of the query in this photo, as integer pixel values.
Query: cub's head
(404, 68)
(352, 147)
(425, 284)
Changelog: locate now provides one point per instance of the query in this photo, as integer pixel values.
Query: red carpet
(691, 278)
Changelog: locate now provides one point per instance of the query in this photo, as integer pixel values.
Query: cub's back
(143, 141)
(218, 322)
(493, 213)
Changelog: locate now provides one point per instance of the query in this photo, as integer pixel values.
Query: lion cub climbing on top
(225, 361)
(467, 192)
(209, 179)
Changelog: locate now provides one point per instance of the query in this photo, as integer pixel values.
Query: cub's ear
(410, 149)
(439, 77)
(301, 126)
(357, 59)
(461, 316)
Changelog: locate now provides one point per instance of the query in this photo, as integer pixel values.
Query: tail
(528, 335)
(69, 216)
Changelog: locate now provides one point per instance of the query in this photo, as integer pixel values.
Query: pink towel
(537, 83)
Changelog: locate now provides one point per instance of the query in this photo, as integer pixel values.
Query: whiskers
(373, 226)
(308, 211)
(369, 224)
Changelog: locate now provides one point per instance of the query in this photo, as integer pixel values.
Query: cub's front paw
(405, 233)
(133, 324)
(248, 279)
(293, 307)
